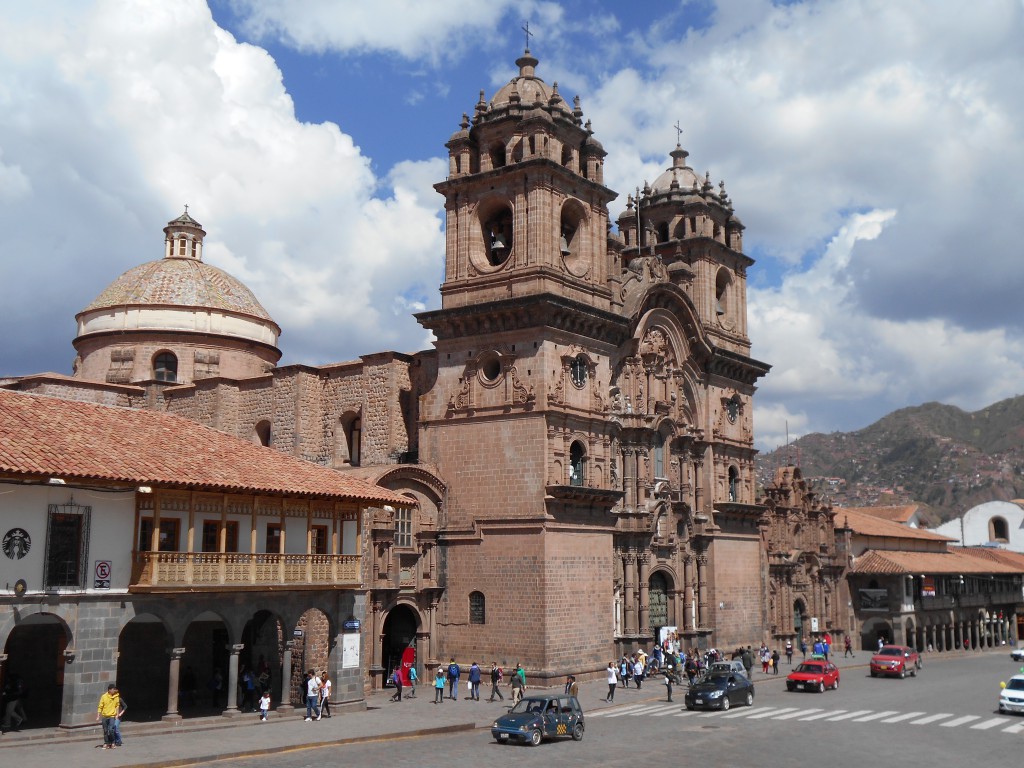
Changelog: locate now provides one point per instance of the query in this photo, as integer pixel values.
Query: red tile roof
(896, 562)
(1004, 556)
(49, 437)
(866, 524)
(897, 514)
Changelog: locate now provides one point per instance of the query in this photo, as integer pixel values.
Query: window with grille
(67, 545)
(403, 527)
(477, 612)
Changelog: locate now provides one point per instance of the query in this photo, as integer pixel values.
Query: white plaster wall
(972, 528)
(111, 524)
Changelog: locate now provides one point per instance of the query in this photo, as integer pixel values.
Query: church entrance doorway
(35, 656)
(799, 616)
(399, 637)
(657, 601)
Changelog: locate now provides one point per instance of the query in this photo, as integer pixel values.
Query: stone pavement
(200, 740)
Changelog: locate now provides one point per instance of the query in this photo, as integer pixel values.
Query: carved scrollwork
(521, 394)
(461, 399)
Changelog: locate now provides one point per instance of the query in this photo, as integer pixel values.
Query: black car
(720, 691)
(539, 717)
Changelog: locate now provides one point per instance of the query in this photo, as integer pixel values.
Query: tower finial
(679, 133)
(529, 34)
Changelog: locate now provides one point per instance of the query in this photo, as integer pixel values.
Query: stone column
(232, 707)
(174, 672)
(702, 590)
(689, 620)
(433, 631)
(285, 704)
(1013, 628)
(644, 588)
(629, 477)
(629, 601)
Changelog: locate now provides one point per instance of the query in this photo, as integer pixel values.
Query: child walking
(265, 705)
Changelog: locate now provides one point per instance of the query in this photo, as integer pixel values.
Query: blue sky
(872, 149)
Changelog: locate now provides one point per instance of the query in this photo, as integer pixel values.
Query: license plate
(502, 735)
(697, 701)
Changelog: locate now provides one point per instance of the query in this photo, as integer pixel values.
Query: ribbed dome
(528, 89)
(182, 282)
(680, 172)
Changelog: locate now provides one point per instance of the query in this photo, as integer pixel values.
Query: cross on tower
(529, 34)
(186, 207)
(679, 132)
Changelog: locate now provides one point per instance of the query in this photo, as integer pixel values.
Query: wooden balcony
(226, 570)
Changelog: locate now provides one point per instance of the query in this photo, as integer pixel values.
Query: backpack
(453, 671)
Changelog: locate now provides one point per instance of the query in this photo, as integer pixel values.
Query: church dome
(527, 89)
(679, 172)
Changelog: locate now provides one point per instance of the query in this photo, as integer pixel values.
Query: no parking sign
(101, 575)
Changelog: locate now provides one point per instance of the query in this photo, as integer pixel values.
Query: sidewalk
(198, 740)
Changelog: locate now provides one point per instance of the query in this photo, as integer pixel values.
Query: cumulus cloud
(127, 111)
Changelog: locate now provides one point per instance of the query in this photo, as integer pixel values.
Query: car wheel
(903, 673)
(913, 671)
(690, 707)
(535, 738)
(790, 687)
(500, 740)
(725, 703)
(821, 686)
(750, 698)
(835, 685)
(873, 673)
(577, 732)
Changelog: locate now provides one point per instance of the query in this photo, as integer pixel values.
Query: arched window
(261, 433)
(498, 235)
(577, 463)
(497, 154)
(663, 232)
(998, 530)
(165, 367)
(403, 527)
(722, 282)
(477, 608)
(734, 484)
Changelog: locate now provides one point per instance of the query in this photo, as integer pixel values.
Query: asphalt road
(944, 717)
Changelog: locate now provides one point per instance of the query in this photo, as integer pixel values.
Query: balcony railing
(236, 569)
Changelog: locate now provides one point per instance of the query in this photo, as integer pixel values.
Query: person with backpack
(496, 677)
(396, 680)
(474, 682)
(453, 680)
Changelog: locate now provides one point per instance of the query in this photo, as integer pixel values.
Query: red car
(813, 676)
(896, 660)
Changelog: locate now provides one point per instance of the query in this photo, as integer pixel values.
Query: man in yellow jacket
(110, 710)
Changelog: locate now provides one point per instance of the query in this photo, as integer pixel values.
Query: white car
(1011, 698)
(1017, 654)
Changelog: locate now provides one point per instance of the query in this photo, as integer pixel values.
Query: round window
(491, 369)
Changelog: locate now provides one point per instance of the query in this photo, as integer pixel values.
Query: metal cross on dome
(529, 34)
(679, 132)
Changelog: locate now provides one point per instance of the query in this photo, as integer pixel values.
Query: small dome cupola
(184, 238)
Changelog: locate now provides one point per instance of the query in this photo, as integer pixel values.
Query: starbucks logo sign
(17, 543)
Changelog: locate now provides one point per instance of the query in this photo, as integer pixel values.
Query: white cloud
(133, 109)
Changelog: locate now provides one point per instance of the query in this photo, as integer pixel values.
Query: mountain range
(939, 456)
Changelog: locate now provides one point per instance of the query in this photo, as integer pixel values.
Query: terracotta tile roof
(866, 524)
(897, 513)
(896, 562)
(49, 437)
(994, 554)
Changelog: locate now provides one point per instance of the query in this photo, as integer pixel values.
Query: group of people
(449, 676)
(317, 695)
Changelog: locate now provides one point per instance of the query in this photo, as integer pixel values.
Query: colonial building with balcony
(909, 586)
(147, 550)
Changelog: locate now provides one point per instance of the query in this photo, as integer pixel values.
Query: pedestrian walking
(668, 683)
(312, 696)
(848, 647)
(265, 706)
(453, 680)
(747, 657)
(396, 680)
(517, 685)
(613, 682)
(803, 647)
(325, 696)
(108, 711)
(638, 673)
(789, 652)
(625, 671)
(474, 682)
(439, 685)
(496, 677)
(775, 661)
(413, 677)
(13, 703)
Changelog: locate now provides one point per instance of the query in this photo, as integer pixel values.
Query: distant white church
(994, 523)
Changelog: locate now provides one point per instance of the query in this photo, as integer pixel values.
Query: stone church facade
(579, 441)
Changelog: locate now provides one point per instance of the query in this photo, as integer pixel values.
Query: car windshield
(890, 651)
(815, 669)
(1016, 685)
(529, 705)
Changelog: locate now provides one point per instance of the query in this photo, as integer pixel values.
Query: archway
(263, 638)
(799, 617)
(205, 666)
(399, 640)
(312, 649)
(35, 655)
(142, 666)
(657, 602)
(874, 630)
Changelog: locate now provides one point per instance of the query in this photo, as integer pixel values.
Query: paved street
(945, 716)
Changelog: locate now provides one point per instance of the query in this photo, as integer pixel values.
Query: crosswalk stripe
(931, 718)
(772, 714)
(989, 724)
(961, 721)
(617, 712)
(652, 710)
(798, 713)
(752, 711)
(875, 716)
(686, 713)
(673, 710)
(901, 718)
(824, 714)
(848, 715)
(1014, 728)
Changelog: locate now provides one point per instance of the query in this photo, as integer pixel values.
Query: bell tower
(525, 199)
